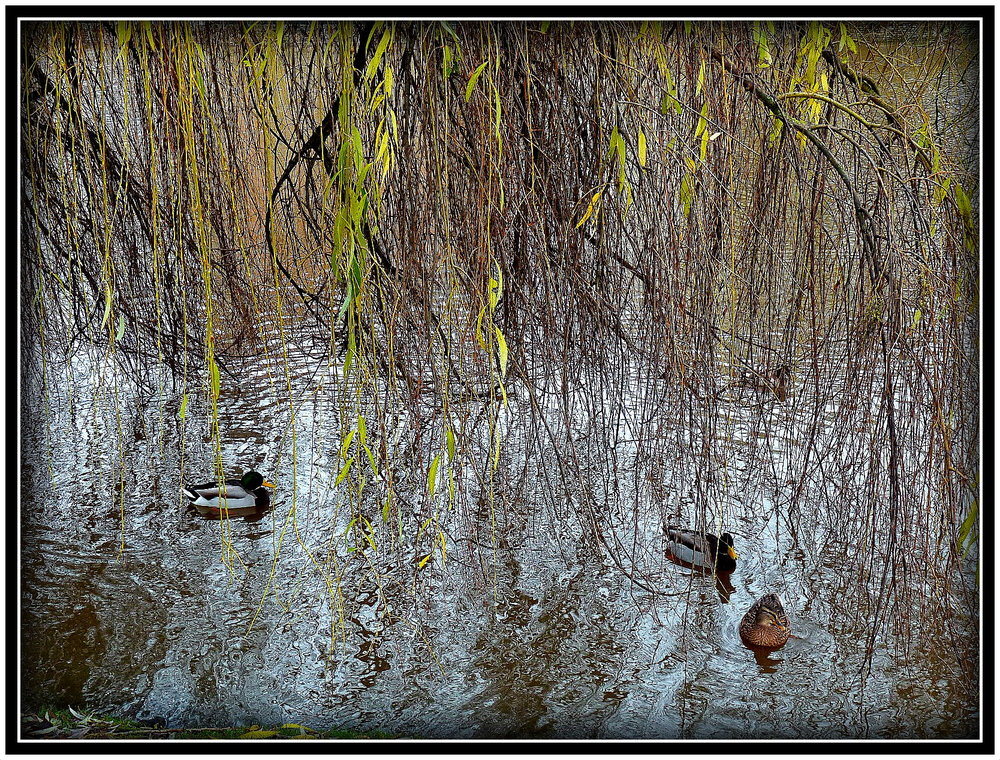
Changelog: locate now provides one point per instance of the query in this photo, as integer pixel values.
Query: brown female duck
(765, 624)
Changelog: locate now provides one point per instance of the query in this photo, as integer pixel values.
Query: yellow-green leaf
(121, 328)
(346, 445)
(591, 207)
(432, 475)
(344, 471)
(215, 382)
(642, 148)
(686, 194)
(386, 507)
(377, 55)
(480, 338)
(491, 293)
(446, 61)
(450, 437)
(963, 204)
(501, 351)
(371, 457)
(473, 79)
(107, 307)
(702, 124)
(184, 407)
(499, 279)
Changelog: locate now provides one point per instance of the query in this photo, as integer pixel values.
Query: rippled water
(131, 604)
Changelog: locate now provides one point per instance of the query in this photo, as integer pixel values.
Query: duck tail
(190, 492)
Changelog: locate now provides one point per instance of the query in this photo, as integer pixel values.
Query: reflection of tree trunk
(881, 278)
(315, 146)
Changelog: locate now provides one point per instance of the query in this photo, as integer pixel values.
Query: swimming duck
(248, 491)
(774, 380)
(765, 624)
(702, 549)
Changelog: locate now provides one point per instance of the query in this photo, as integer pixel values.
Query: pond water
(553, 613)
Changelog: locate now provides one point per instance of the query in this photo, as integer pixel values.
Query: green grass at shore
(70, 723)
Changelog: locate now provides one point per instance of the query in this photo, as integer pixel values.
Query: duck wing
(209, 491)
(696, 542)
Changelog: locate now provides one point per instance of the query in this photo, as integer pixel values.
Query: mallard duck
(246, 492)
(702, 549)
(774, 380)
(765, 624)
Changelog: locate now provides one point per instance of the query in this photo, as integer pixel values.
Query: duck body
(702, 549)
(246, 493)
(765, 625)
(774, 380)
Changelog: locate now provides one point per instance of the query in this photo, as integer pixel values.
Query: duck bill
(732, 553)
(269, 484)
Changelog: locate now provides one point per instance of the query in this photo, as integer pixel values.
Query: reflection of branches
(877, 269)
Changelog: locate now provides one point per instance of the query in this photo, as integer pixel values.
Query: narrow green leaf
(491, 294)
(432, 475)
(387, 507)
(450, 437)
(448, 28)
(702, 124)
(184, 407)
(613, 142)
(377, 55)
(371, 458)
(473, 79)
(642, 148)
(215, 380)
(344, 471)
(501, 351)
(446, 61)
(107, 306)
(121, 328)
(345, 446)
(591, 207)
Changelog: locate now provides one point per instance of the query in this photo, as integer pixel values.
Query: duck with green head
(702, 549)
(248, 491)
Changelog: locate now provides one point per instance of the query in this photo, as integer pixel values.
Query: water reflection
(524, 629)
(766, 659)
(723, 580)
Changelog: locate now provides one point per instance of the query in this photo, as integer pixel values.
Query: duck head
(253, 480)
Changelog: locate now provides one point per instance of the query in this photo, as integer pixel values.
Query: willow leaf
(473, 79)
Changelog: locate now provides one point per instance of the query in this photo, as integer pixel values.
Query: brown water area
(486, 356)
